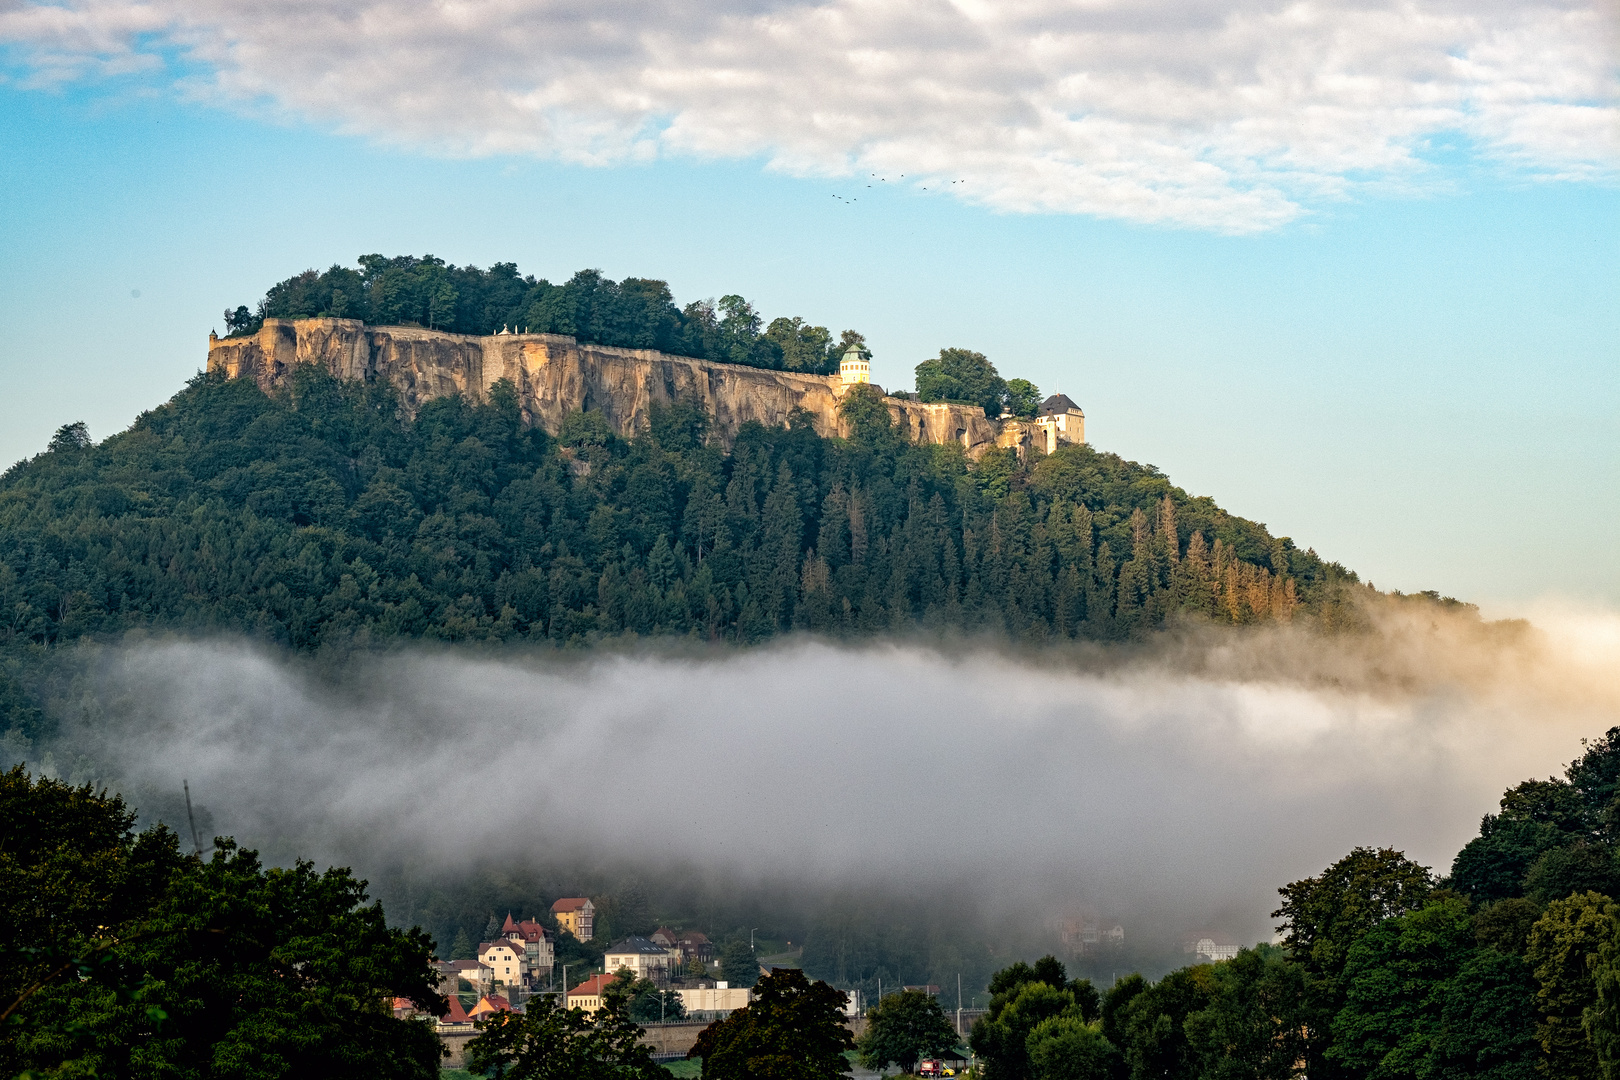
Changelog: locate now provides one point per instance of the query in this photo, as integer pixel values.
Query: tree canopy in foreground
(122, 957)
(793, 1029)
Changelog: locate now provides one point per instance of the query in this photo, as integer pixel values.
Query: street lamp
(751, 939)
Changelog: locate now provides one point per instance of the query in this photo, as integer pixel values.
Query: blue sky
(1405, 358)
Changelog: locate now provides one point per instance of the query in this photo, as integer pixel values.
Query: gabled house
(538, 953)
(577, 915)
(695, 945)
(488, 1005)
(588, 994)
(642, 957)
(504, 957)
(688, 944)
(455, 1017)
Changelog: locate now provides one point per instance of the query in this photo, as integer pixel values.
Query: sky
(1352, 269)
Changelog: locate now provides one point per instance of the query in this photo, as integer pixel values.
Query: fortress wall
(556, 375)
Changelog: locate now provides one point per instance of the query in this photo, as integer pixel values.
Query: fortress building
(555, 375)
(855, 366)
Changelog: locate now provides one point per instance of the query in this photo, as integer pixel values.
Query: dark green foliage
(1553, 838)
(147, 963)
(1511, 972)
(1322, 920)
(548, 1042)
(1424, 1001)
(1252, 1027)
(650, 1005)
(1068, 1048)
(1152, 1027)
(792, 1030)
(1031, 1029)
(1575, 868)
(1563, 945)
(904, 1028)
(636, 313)
(319, 517)
(962, 376)
(738, 964)
(1023, 397)
(1505, 925)
(1493, 865)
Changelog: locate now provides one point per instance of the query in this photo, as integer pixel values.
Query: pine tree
(662, 568)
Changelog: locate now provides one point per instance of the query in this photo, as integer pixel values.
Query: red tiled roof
(591, 987)
(509, 925)
(570, 903)
(456, 1014)
(490, 1003)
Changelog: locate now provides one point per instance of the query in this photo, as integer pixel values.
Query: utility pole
(196, 841)
(751, 939)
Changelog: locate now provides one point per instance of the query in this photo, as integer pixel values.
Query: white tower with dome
(856, 366)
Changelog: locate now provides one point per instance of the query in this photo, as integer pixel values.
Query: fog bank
(1183, 781)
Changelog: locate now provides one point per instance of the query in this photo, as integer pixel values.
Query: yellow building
(575, 914)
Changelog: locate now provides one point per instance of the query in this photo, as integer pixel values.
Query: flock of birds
(884, 180)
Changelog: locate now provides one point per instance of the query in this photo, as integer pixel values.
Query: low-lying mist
(1169, 786)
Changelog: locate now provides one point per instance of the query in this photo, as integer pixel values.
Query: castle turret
(856, 366)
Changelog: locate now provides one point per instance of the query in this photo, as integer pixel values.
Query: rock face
(556, 375)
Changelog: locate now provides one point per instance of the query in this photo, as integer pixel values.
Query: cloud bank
(1232, 115)
(1185, 783)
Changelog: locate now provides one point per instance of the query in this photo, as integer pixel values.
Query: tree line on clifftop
(634, 313)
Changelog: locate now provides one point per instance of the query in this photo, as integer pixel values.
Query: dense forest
(1508, 969)
(320, 517)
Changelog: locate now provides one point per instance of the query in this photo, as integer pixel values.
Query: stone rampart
(555, 375)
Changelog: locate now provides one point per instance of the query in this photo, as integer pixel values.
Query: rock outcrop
(555, 375)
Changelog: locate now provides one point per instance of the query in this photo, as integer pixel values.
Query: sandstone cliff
(556, 375)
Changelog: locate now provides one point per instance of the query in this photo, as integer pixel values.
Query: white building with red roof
(538, 951)
(504, 958)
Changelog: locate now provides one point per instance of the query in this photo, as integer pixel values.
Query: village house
(575, 914)
(588, 994)
(690, 944)
(479, 976)
(642, 957)
(455, 1019)
(718, 998)
(488, 1006)
(504, 957)
(1210, 947)
(538, 953)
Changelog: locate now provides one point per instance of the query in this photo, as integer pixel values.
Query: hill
(319, 516)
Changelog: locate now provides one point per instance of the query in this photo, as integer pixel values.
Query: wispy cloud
(1234, 115)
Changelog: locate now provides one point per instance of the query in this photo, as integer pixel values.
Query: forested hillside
(321, 516)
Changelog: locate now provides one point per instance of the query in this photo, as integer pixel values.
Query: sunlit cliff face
(1185, 780)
